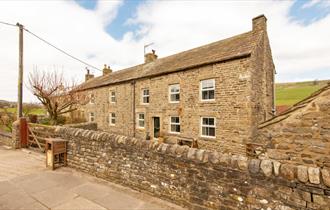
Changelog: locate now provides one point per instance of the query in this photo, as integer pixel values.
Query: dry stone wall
(86, 126)
(198, 179)
(6, 138)
(301, 136)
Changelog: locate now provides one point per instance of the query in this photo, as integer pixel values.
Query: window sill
(207, 102)
(207, 138)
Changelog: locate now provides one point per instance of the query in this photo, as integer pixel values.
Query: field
(290, 93)
(36, 111)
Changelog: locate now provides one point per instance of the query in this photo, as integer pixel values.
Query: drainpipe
(133, 103)
(274, 96)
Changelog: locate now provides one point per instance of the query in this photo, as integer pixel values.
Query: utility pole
(20, 73)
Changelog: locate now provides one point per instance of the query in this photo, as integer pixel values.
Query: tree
(8, 114)
(58, 96)
(7, 118)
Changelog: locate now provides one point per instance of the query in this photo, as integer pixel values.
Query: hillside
(288, 94)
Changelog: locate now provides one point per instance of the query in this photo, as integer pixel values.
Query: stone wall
(85, 126)
(6, 138)
(198, 179)
(302, 135)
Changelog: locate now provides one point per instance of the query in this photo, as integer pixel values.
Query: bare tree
(56, 94)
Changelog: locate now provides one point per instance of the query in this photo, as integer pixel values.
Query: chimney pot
(149, 57)
(106, 70)
(88, 76)
(259, 23)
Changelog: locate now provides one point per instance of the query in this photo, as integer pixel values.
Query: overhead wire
(50, 44)
(9, 24)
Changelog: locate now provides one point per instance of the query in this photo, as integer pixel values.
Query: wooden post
(20, 74)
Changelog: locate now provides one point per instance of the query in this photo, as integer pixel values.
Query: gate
(37, 136)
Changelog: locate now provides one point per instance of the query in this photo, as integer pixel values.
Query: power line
(73, 57)
(62, 51)
(9, 24)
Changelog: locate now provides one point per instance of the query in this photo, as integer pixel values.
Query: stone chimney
(149, 57)
(88, 76)
(259, 23)
(106, 70)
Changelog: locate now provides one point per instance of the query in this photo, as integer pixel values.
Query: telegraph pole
(20, 73)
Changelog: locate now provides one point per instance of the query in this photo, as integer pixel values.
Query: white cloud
(320, 3)
(176, 26)
(173, 26)
(310, 4)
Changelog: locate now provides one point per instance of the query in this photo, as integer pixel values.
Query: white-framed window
(112, 96)
(207, 90)
(174, 124)
(145, 96)
(208, 127)
(174, 93)
(91, 117)
(141, 120)
(112, 118)
(92, 98)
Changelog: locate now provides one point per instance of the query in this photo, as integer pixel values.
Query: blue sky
(118, 27)
(310, 14)
(98, 32)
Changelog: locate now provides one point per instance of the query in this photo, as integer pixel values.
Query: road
(25, 183)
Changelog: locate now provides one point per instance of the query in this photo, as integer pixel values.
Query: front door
(156, 127)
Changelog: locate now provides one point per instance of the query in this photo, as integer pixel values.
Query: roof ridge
(233, 47)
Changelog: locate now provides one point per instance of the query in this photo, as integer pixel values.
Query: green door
(156, 127)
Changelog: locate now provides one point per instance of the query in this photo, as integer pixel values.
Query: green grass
(291, 93)
(36, 111)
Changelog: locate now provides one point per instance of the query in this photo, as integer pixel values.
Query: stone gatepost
(16, 140)
(19, 133)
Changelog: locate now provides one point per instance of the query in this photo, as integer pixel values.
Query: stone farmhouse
(215, 95)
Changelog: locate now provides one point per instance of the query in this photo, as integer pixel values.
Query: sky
(114, 32)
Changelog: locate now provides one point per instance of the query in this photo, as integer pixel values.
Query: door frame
(153, 126)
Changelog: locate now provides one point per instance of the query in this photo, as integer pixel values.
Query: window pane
(175, 88)
(205, 121)
(205, 95)
(146, 99)
(211, 94)
(211, 121)
(207, 84)
(146, 92)
(175, 120)
(204, 131)
(141, 123)
(141, 116)
(177, 128)
(211, 131)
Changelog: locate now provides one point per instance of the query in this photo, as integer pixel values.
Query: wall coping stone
(319, 177)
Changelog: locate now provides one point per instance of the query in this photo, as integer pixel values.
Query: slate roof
(231, 48)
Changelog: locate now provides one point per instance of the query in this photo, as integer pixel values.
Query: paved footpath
(26, 184)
